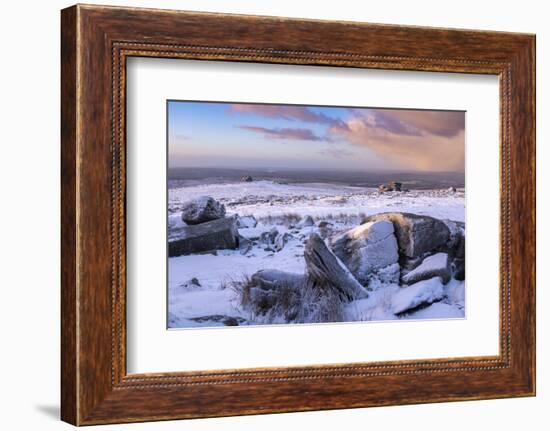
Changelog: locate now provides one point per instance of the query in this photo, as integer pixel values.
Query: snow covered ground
(210, 300)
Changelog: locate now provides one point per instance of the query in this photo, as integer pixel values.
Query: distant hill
(410, 180)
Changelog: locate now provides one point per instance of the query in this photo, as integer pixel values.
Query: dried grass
(287, 219)
(304, 302)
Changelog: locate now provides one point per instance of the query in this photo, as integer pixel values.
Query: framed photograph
(324, 214)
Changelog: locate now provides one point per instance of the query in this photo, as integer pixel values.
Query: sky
(241, 135)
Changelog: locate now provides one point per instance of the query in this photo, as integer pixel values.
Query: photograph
(288, 214)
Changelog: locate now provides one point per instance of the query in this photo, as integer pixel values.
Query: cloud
(413, 122)
(395, 138)
(287, 112)
(406, 139)
(284, 133)
(439, 123)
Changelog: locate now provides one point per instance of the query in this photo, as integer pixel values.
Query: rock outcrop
(213, 235)
(456, 248)
(393, 186)
(326, 270)
(268, 237)
(367, 248)
(201, 210)
(416, 234)
(412, 257)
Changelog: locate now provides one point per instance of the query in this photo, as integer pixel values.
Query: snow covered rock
(246, 222)
(416, 234)
(274, 240)
(213, 235)
(422, 293)
(306, 222)
(191, 284)
(437, 265)
(251, 233)
(269, 236)
(410, 263)
(175, 221)
(382, 277)
(201, 210)
(456, 247)
(328, 272)
(366, 248)
(323, 224)
(245, 245)
(456, 242)
(458, 268)
(281, 240)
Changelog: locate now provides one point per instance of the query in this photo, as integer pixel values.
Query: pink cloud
(421, 140)
(413, 122)
(439, 123)
(284, 133)
(287, 112)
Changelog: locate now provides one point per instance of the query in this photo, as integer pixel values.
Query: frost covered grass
(285, 219)
(344, 218)
(289, 302)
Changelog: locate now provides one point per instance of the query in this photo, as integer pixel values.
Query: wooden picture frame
(95, 43)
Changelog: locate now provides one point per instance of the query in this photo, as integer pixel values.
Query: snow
(376, 307)
(435, 264)
(438, 310)
(252, 233)
(379, 305)
(387, 275)
(175, 221)
(380, 249)
(367, 248)
(263, 198)
(246, 222)
(377, 231)
(423, 292)
(200, 202)
(271, 204)
(455, 293)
